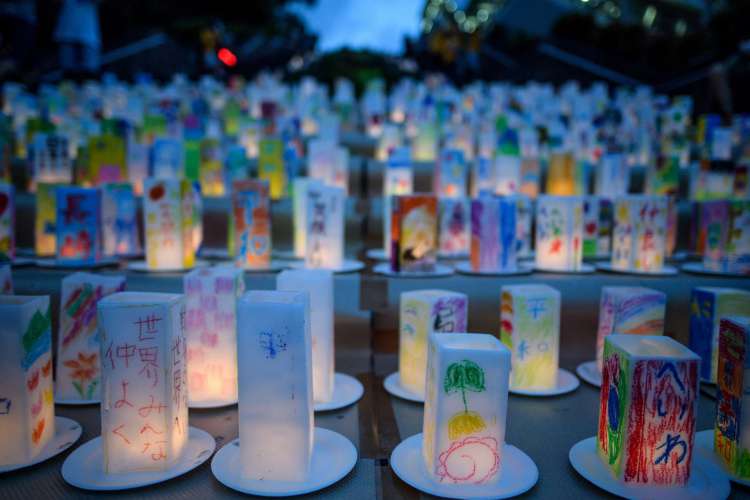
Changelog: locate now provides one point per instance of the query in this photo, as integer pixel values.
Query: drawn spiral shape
(470, 460)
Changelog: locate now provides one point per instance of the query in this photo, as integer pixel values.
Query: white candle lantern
(45, 236)
(639, 234)
(629, 310)
(168, 223)
(329, 163)
(274, 343)
(454, 226)
(425, 143)
(211, 296)
(251, 224)
(7, 221)
(612, 176)
(530, 327)
(493, 233)
(524, 217)
(78, 365)
(167, 158)
(465, 409)
(324, 245)
(559, 233)
(422, 313)
(414, 233)
(318, 283)
(507, 174)
(78, 225)
(299, 213)
(450, 175)
(27, 411)
(647, 409)
(119, 220)
(708, 305)
(144, 381)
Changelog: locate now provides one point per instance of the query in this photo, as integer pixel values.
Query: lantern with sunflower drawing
(465, 408)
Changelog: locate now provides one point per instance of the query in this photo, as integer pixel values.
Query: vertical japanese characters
(559, 233)
(78, 225)
(639, 234)
(324, 240)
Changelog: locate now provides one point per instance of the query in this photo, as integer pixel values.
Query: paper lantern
(119, 220)
(639, 234)
(422, 313)
(398, 178)
(211, 296)
(167, 156)
(663, 177)
(7, 221)
(530, 327)
(77, 362)
(524, 216)
(493, 233)
(144, 381)
(6, 280)
(724, 235)
(274, 345)
(647, 409)
(530, 174)
(597, 226)
(45, 235)
(565, 175)
(454, 230)
(324, 242)
(27, 411)
(389, 140)
(211, 168)
(612, 176)
(299, 213)
(629, 310)
(106, 160)
(168, 224)
(708, 305)
(138, 164)
(318, 283)
(425, 143)
(329, 163)
(507, 174)
(50, 159)
(559, 232)
(482, 176)
(414, 236)
(732, 423)
(78, 225)
(450, 175)
(251, 224)
(271, 166)
(465, 408)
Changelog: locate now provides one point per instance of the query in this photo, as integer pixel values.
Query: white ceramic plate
(347, 266)
(699, 268)
(566, 382)
(333, 457)
(664, 271)
(84, 468)
(57, 264)
(376, 254)
(589, 372)
(274, 266)
(704, 446)
(706, 481)
(218, 403)
(392, 384)
(518, 473)
(142, 266)
(520, 270)
(67, 432)
(585, 269)
(76, 402)
(347, 390)
(440, 270)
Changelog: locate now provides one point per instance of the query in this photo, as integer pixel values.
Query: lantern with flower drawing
(168, 224)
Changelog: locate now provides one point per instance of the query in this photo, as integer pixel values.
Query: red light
(226, 56)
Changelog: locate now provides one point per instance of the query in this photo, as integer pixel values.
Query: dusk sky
(375, 24)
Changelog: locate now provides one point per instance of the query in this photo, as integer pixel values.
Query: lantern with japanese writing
(708, 305)
(398, 179)
(7, 221)
(119, 220)
(251, 224)
(274, 343)
(78, 363)
(211, 296)
(466, 405)
(639, 234)
(493, 233)
(325, 227)
(559, 233)
(168, 224)
(647, 409)
(78, 225)
(27, 412)
(45, 237)
(144, 384)
(414, 233)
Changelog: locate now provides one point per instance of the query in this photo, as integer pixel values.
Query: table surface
(367, 348)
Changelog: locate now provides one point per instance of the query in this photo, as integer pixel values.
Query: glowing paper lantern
(78, 225)
(465, 409)
(27, 412)
(138, 164)
(414, 237)
(597, 226)
(425, 143)
(275, 349)
(724, 235)
(318, 283)
(211, 168)
(251, 224)
(78, 362)
(493, 233)
(524, 216)
(45, 235)
(398, 178)
(450, 175)
(708, 305)
(50, 159)
(119, 220)
(530, 173)
(324, 245)
(299, 213)
(422, 313)
(732, 421)
(507, 174)
(530, 327)
(629, 310)
(559, 232)
(6, 280)
(329, 163)
(167, 157)
(647, 409)
(168, 223)
(271, 166)
(144, 381)
(454, 231)
(211, 296)
(612, 176)
(565, 175)
(639, 234)
(7, 221)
